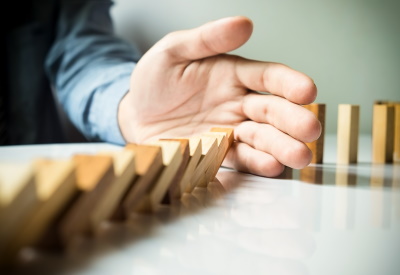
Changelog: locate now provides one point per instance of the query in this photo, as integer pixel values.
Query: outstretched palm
(186, 84)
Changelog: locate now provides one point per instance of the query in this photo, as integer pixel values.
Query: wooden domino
(223, 146)
(72, 197)
(148, 165)
(382, 133)
(16, 180)
(94, 176)
(317, 146)
(225, 141)
(195, 146)
(125, 174)
(347, 133)
(396, 153)
(208, 158)
(229, 135)
(56, 187)
(172, 158)
(18, 197)
(174, 191)
(208, 165)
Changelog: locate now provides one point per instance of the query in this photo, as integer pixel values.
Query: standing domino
(383, 133)
(347, 133)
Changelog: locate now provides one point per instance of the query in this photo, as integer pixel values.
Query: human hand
(187, 83)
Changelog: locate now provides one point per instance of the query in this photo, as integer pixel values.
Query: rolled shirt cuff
(103, 116)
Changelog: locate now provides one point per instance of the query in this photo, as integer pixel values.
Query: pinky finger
(245, 158)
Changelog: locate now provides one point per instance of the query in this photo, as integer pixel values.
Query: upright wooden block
(208, 157)
(94, 175)
(172, 158)
(125, 174)
(347, 133)
(195, 147)
(148, 165)
(56, 187)
(18, 197)
(317, 147)
(382, 133)
(174, 191)
(396, 154)
(396, 132)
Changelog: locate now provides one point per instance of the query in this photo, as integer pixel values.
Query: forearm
(89, 68)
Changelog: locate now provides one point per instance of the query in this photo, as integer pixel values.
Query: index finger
(276, 78)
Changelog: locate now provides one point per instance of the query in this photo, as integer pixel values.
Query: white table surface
(348, 222)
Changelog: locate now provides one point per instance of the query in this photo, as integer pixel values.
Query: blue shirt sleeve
(89, 68)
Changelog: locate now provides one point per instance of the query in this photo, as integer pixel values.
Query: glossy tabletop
(325, 219)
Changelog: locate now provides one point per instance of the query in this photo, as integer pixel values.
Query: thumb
(210, 39)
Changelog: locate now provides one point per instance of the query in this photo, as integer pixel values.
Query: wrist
(125, 119)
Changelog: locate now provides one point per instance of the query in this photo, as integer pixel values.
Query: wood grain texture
(208, 157)
(383, 133)
(94, 176)
(18, 198)
(317, 146)
(223, 147)
(347, 133)
(396, 154)
(172, 159)
(396, 133)
(195, 147)
(229, 133)
(148, 165)
(56, 187)
(125, 174)
(174, 191)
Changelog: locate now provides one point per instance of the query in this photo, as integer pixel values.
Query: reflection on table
(293, 224)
